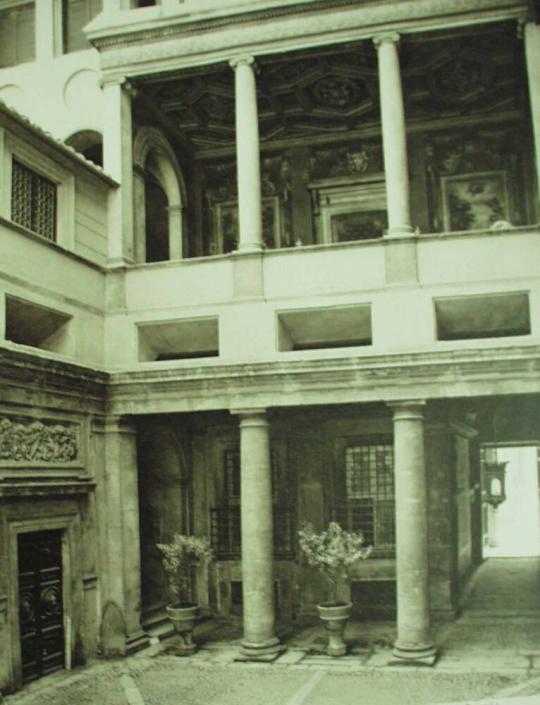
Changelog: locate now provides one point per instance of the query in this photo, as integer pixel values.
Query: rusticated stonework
(31, 441)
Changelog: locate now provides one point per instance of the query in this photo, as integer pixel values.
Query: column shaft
(118, 163)
(393, 135)
(260, 641)
(532, 52)
(247, 156)
(413, 624)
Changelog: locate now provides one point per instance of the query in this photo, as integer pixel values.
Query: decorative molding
(47, 489)
(431, 375)
(338, 15)
(28, 441)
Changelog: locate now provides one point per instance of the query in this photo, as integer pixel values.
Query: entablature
(465, 373)
(163, 38)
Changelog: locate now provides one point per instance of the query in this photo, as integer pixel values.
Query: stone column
(393, 135)
(123, 603)
(413, 643)
(260, 641)
(118, 163)
(532, 52)
(247, 155)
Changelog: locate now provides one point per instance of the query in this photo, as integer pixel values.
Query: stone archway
(154, 160)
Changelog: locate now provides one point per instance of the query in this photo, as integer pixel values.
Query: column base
(414, 655)
(136, 641)
(264, 651)
(400, 231)
(249, 248)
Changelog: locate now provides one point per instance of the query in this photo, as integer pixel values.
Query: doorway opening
(511, 504)
(41, 613)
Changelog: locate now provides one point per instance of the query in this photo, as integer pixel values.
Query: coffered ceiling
(335, 90)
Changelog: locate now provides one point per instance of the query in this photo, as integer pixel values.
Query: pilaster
(123, 602)
(48, 29)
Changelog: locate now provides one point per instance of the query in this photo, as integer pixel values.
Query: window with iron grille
(365, 491)
(33, 201)
(225, 519)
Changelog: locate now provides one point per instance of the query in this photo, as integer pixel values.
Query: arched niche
(89, 143)
(156, 171)
(163, 506)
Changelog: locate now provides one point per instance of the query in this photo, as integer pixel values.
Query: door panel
(40, 603)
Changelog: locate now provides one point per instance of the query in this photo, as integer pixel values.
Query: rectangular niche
(178, 340)
(38, 326)
(320, 328)
(482, 316)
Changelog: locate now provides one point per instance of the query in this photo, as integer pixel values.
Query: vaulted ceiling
(307, 94)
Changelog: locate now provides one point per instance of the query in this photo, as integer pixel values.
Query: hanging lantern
(494, 478)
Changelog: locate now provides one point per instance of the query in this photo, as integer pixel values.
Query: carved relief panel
(31, 444)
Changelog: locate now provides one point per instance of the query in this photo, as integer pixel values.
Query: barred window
(33, 201)
(225, 519)
(367, 502)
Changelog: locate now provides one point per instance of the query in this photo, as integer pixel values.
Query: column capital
(251, 417)
(242, 60)
(122, 81)
(412, 409)
(386, 38)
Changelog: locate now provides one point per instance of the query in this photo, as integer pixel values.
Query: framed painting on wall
(227, 226)
(474, 201)
(347, 211)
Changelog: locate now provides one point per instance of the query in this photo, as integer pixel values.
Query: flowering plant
(333, 552)
(178, 558)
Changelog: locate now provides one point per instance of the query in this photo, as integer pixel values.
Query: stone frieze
(25, 440)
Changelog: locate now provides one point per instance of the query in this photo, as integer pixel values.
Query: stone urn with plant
(334, 552)
(179, 558)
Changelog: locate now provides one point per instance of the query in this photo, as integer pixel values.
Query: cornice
(190, 40)
(18, 367)
(433, 375)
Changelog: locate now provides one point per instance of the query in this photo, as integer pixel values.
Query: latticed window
(365, 501)
(33, 201)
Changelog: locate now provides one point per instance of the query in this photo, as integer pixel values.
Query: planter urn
(335, 616)
(184, 618)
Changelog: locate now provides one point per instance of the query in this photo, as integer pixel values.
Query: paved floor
(482, 655)
(506, 586)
